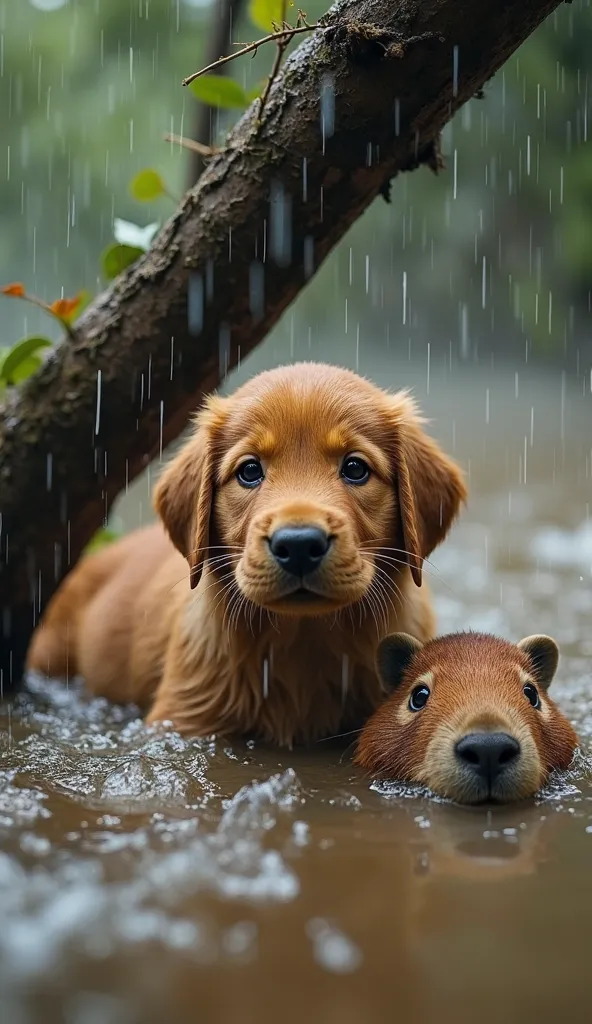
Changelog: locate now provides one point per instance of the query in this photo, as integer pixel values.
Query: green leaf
(101, 538)
(219, 91)
(128, 233)
(117, 257)
(25, 369)
(21, 360)
(263, 13)
(147, 185)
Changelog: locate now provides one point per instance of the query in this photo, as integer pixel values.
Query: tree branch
(262, 218)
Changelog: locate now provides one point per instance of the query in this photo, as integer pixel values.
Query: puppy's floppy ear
(394, 655)
(184, 495)
(430, 486)
(543, 654)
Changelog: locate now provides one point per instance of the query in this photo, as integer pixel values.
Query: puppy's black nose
(299, 549)
(487, 753)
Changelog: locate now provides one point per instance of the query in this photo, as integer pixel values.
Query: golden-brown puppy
(305, 505)
(469, 716)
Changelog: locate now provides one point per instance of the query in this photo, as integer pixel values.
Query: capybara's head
(308, 490)
(469, 716)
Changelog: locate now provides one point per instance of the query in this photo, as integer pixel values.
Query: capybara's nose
(299, 549)
(487, 753)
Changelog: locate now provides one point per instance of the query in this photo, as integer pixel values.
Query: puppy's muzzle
(487, 755)
(300, 550)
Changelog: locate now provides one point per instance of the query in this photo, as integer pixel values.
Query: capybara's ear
(430, 486)
(393, 657)
(183, 497)
(543, 654)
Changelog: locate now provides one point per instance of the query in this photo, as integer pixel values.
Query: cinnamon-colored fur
(476, 683)
(228, 647)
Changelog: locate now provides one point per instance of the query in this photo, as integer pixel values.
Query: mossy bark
(221, 272)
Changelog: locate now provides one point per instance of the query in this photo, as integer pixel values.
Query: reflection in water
(145, 877)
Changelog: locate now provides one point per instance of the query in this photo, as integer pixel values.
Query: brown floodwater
(147, 878)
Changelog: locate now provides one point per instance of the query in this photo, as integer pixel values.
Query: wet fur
(223, 648)
(476, 682)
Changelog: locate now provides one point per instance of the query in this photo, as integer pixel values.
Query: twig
(274, 73)
(45, 306)
(195, 147)
(281, 47)
(274, 37)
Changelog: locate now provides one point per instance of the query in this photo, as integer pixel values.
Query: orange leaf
(64, 308)
(16, 290)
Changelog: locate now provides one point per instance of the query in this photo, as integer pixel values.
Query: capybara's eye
(250, 473)
(419, 698)
(354, 470)
(532, 695)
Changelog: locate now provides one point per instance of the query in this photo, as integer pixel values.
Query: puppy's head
(310, 488)
(469, 716)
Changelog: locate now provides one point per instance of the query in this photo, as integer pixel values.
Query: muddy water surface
(146, 878)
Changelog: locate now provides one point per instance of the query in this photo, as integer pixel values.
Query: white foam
(332, 949)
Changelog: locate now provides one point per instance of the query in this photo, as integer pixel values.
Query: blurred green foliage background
(498, 246)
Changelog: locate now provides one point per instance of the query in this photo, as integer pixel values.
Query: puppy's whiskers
(381, 599)
(237, 606)
(380, 605)
(389, 560)
(233, 610)
(229, 607)
(218, 580)
(187, 576)
(370, 600)
(387, 580)
(374, 544)
(216, 547)
(228, 587)
(379, 596)
(272, 617)
(387, 591)
(398, 562)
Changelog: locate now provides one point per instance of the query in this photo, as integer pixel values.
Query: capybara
(469, 716)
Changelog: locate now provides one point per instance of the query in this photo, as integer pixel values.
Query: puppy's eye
(250, 473)
(419, 698)
(354, 470)
(532, 695)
